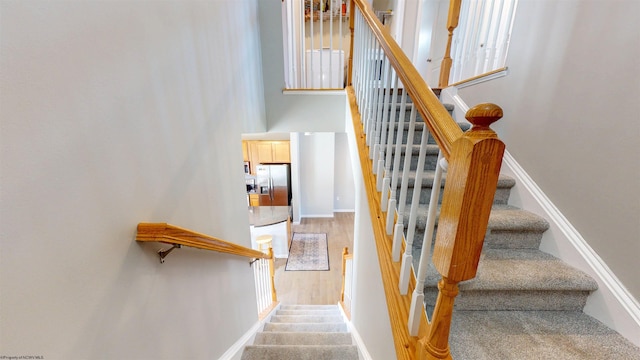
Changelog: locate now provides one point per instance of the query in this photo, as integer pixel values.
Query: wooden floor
(317, 287)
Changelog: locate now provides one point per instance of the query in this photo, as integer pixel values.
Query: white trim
(314, 92)
(317, 216)
(612, 304)
(450, 95)
(362, 349)
(481, 79)
(344, 210)
(235, 351)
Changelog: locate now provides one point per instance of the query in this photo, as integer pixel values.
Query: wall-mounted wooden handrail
(171, 234)
(441, 125)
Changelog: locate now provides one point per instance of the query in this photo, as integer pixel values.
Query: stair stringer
(235, 351)
(611, 304)
(362, 349)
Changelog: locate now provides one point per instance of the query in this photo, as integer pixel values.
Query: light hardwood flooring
(317, 287)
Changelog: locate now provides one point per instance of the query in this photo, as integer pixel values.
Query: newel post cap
(483, 115)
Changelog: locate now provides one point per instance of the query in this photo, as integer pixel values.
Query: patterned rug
(308, 252)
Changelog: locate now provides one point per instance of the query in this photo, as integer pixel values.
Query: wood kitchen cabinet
(254, 200)
(268, 152)
(263, 152)
(245, 150)
(281, 152)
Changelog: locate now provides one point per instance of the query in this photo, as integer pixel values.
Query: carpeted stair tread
(503, 189)
(306, 327)
(519, 279)
(308, 338)
(303, 332)
(509, 227)
(300, 352)
(535, 335)
(306, 318)
(432, 149)
(308, 312)
(504, 181)
(309, 307)
(526, 269)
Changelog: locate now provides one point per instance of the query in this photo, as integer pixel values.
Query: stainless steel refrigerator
(274, 184)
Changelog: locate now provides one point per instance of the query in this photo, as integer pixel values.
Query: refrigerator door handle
(271, 189)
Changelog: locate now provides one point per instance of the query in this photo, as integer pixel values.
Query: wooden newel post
(472, 178)
(272, 275)
(345, 252)
(452, 24)
(352, 15)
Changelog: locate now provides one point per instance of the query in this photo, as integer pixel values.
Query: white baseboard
(611, 304)
(344, 210)
(362, 349)
(235, 351)
(317, 216)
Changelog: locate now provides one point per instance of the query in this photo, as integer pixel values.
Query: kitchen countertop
(268, 215)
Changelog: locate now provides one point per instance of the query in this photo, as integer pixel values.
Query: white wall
(369, 315)
(292, 112)
(571, 118)
(316, 174)
(114, 113)
(344, 191)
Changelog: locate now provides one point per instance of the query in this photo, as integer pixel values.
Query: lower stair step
(307, 338)
(519, 280)
(306, 318)
(309, 307)
(535, 335)
(306, 327)
(308, 312)
(300, 352)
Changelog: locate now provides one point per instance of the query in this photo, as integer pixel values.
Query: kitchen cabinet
(268, 152)
(245, 150)
(263, 152)
(281, 152)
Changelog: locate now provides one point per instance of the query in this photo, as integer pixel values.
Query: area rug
(308, 252)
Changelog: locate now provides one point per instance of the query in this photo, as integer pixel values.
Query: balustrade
(382, 72)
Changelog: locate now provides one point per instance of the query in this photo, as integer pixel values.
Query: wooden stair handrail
(475, 158)
(441, 125)
(171, 234)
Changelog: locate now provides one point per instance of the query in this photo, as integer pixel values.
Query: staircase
(523, 303)
(303, 332)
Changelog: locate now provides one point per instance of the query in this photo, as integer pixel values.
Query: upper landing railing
(383, 86)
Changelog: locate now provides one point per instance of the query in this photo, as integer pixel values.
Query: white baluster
(407, 163)
(398, 237)
(380, 87)
(391, 211)
(380, 170)
(407, 259)
(384, 195)
(374, 160)
(417, 298)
